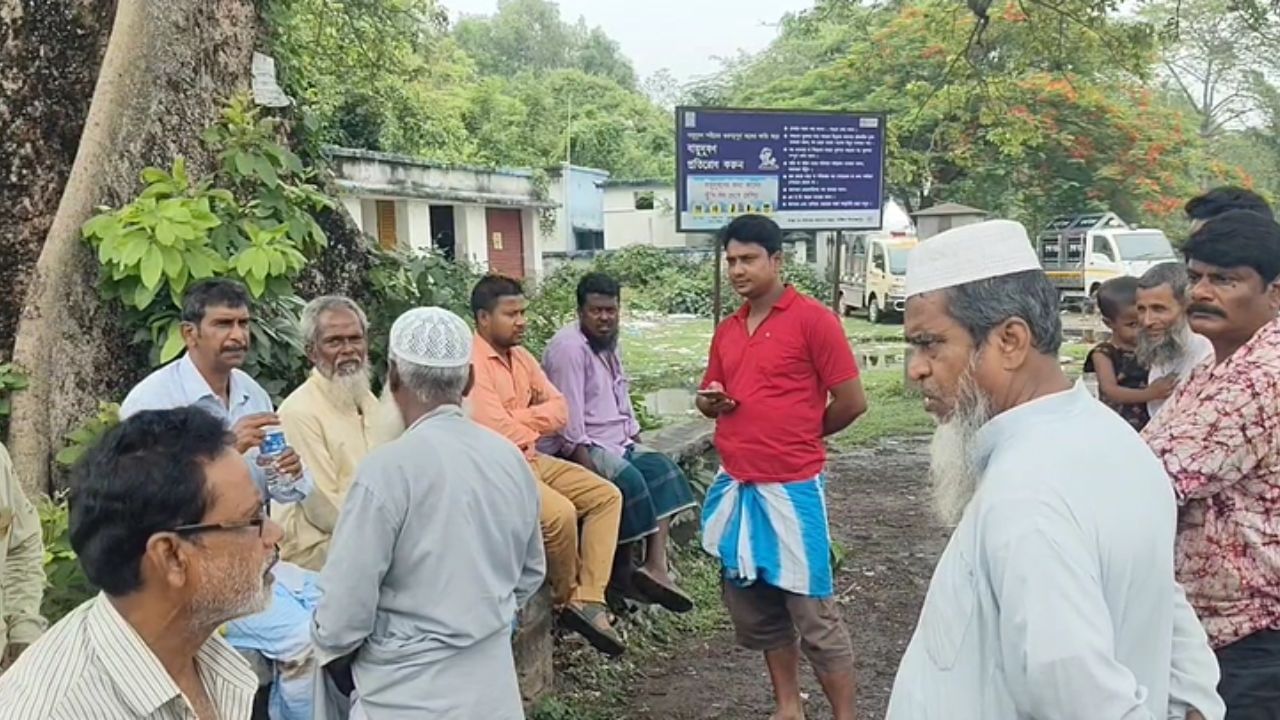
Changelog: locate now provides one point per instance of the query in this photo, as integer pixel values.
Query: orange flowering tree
(1027, 110)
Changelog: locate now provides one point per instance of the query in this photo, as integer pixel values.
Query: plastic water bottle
(273, 446)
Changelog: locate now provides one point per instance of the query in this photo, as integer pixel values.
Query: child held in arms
(1122, 380)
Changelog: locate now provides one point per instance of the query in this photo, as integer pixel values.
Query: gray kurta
(436, 546)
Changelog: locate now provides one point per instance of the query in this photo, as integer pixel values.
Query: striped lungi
(775, 532)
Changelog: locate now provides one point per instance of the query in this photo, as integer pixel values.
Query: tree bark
(168, 67)
(50, 53)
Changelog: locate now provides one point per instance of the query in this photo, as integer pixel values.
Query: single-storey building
(483, 216)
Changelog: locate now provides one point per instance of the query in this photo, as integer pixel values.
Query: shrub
(65, 583)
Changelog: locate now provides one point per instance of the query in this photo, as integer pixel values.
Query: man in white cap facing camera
(437, 546)
(1055, 596)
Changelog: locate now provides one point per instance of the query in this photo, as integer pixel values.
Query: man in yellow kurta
(21, 567)
(329, 420)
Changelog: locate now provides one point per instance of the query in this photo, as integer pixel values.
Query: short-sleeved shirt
(1129, 374)
(780, 377)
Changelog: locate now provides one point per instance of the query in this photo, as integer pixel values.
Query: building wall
(585, 206)
(625, 225)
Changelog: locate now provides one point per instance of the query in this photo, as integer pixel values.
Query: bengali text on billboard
(806, 170)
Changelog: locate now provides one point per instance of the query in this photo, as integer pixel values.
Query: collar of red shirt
(788, 296)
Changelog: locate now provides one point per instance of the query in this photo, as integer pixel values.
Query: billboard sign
(806, 170)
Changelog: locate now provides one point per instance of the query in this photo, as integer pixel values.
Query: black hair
(214, 292)
(145, 476)
(754, 230)
(1238, 238)
(597, 283)
(1117, 294)
(1224, 199)
(490, 289)
(982, 305)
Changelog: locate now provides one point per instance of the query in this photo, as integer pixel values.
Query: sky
(684, 36)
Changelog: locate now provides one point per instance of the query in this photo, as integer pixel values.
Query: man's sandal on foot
(668, 596)
(582, 620)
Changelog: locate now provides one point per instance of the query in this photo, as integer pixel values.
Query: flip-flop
(667, 596)
(582, 621)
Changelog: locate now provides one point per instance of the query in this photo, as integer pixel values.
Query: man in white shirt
(1166, 344)
(1055, 596)
(167, 521)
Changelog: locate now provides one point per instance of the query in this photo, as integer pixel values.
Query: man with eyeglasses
(216, 322)
(167, 521)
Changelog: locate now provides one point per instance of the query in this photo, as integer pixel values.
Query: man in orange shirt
(513, 397)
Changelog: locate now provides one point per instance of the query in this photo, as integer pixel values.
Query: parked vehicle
(873, 274)
(1080, 252)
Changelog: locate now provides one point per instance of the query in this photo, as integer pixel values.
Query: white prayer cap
(994, 248)
(432, 337)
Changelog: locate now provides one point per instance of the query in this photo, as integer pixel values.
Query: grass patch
(592, 687)
(891, 411)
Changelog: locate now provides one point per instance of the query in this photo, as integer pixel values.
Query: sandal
(668, 596)
(582, 620)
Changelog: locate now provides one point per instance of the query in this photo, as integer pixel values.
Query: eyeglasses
(258, 522)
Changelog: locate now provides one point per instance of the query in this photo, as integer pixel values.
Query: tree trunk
(168, 67)
(50, 57)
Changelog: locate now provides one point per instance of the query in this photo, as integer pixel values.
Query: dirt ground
(879, 515)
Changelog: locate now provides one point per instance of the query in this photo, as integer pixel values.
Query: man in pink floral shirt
(1219, 439)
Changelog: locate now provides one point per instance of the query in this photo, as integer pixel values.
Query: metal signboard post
(808, 170)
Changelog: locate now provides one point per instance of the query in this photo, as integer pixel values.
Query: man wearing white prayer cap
(1055, 596)
(436, 548)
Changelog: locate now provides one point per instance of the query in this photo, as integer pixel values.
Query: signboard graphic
(807, 170)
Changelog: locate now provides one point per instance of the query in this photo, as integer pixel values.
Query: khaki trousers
(577, 571)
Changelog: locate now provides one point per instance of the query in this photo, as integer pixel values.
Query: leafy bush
(400, 281)
(11, 380)
(251, 220)
(84, 437)
(65, 583)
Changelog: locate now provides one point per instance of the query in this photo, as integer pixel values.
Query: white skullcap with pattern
(431, 337)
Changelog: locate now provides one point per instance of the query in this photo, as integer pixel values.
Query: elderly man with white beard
(329, 420)
(1166, 344)
(1055, 596)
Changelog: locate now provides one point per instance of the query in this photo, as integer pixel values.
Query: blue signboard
(807, 170)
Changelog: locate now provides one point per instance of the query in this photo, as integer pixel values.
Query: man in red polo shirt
(780, 378)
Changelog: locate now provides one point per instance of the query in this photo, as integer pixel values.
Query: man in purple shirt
(603, 436)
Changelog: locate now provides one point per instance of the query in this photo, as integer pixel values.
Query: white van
(1080, 252)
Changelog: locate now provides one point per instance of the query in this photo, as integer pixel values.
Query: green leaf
(143, 295)
(151, 268)
(266, 171)
(104, 225)
(153, 175)
(172, 262)
(256, 285)
(261, 264)
(180, 171)
(173, 342)
(164, 233)
(198, 263)
(136, 244)
(244, 163)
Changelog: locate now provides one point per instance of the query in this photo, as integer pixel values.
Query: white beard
(953, 475)
(387, 423)
(353, 387)
(1170, 349)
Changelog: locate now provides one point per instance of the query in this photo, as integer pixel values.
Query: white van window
(1102, 246)
(877, 258)
(1145, 245)
(898, 261)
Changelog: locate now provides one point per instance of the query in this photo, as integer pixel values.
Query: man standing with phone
(781, 376)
